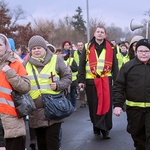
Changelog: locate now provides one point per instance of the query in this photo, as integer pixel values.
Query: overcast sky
(119, 12)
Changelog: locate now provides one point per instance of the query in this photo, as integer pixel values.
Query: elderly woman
(13, 76)
(53, 76)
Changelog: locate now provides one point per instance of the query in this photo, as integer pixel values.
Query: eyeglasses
(143, 52)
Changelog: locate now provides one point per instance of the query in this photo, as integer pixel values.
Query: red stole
(102, 82)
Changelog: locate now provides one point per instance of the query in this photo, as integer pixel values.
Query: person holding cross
(53, 76)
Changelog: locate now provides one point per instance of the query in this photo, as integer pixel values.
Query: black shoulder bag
(24, 104)
(56, 106)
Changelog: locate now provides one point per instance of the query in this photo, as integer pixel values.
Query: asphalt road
(77, 133)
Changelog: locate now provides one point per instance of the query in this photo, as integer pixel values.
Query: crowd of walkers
(103, 75)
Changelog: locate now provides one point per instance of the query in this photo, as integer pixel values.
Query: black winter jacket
(133, 80)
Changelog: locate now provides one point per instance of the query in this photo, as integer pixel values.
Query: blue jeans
(73, 95)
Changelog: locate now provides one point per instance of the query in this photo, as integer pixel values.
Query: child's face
(123, 49)
(18, 51)
(143, 53)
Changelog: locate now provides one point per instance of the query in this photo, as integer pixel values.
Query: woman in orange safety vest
(13, 76)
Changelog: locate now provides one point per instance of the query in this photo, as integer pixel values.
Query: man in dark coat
(98, 66)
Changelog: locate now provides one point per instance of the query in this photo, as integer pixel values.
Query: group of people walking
(95, 72)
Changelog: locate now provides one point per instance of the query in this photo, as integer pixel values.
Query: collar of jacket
(93, 41)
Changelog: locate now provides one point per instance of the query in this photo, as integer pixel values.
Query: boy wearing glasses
(133, 81)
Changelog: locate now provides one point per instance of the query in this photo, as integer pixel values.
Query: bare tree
(17, 14)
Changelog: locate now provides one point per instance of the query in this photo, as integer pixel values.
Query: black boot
(105, 134)
(96, 131)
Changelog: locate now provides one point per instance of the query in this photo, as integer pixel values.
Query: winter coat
(133, 81)
(37, 118)
(13, 127)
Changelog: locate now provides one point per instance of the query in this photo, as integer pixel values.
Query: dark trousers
(73, 95)
(139, 127)
(103, 122)
(15, 143)
(48, 137)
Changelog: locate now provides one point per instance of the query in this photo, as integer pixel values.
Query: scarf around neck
(102, 82)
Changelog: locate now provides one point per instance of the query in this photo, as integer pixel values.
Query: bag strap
(35, 77)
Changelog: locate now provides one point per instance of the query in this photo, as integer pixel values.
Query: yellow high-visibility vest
(44, 78)
(76, 57)
(69, 62)
(100, 64)
(126, 58)
(119, 57)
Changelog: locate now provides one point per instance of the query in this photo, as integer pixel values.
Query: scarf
(102, 82)
(40, 59)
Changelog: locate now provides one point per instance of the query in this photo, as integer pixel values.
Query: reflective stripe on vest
(76, 57)
(74, 74)
(5, 90)
(4, 101)
(137, 104)
(100, 66)
(44, 78)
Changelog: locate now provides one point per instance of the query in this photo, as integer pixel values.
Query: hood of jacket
(135, 39)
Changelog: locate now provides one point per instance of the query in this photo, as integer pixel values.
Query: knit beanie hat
(37, 41)
(143, 42)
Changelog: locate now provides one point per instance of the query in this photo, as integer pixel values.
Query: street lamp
(88, 26)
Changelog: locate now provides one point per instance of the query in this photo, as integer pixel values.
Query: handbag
(24, 103)
(55, 106)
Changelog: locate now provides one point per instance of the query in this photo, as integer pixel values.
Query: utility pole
(88, 26)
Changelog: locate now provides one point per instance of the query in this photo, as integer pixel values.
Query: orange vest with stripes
(6, 101)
